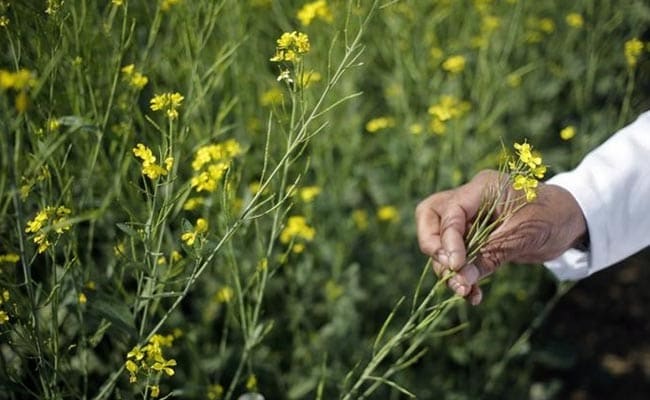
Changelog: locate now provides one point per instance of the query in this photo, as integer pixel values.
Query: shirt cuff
(572, 265)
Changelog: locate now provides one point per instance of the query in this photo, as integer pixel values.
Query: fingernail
(455, 260)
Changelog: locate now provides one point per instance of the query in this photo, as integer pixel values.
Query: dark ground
(596, 342)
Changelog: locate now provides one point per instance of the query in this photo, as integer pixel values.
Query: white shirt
(612, 187)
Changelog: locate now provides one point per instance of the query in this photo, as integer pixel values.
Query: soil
(595, 344)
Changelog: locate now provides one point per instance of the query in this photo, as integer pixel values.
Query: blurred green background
(394, 100)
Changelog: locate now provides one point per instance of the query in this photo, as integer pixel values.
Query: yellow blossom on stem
(574, 20)
(377, 124)
(568, 132)
(149, 166)
(297, 228)
(290, 46)
(309, 193)
(167, 102)
(211, 163)
(4, 317)
(48, 221)
(224, 295)
(190, 237)
(316, 9)
(166, 5)
(387, 214)
(454, 64)
(9, 258)
(633, 49)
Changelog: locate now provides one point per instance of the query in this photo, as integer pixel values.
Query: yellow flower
(164, 366)
(313, 10)
(193, 203)
(53, 6)
(568, 132)
(415, 129)
(176, 256)
(272, 97)
(168, 102)
(251, 382)
(20, 81)
(82, 298)
(513, 80)
(309, 193)
(633, 49)
(490, 23)
(4, 21)
(377, 124)
(215, 392)
(574, 20)
(454, 64)
(307, 78)
(528, 185)
(297, 227)
(387, 214)
(4, 317)
(155, 391)
(211, 162)
(117, 2)
(224, 295)
(546, 25)
(53, 218)
(149, 166)
(526, 169)
(9, 258)
(290, 45)
(165, 5)
(190, 237)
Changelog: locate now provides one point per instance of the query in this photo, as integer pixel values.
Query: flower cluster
(135, 79)
(315, 9)
(167, 102)
(149, 166)
(149, 361)
(633, 49)
(290, 46)
(4, 298)
(454, 64)
(200, 228)
(48, 220)
(211, 162)
(20, 81)
(379, 123)
(526, 170)
(448, 108)
(297, 229)
(9, 258)
(387, 214)
(166, 5)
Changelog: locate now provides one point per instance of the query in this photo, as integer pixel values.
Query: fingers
(427, 222)
(440, 223)
(453, 224)
(464, 279)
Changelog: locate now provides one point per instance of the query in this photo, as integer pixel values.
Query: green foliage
(279, 271)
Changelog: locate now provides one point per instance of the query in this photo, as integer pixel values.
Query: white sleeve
(612, 187)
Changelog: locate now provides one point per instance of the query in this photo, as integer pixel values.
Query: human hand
(537, 232)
